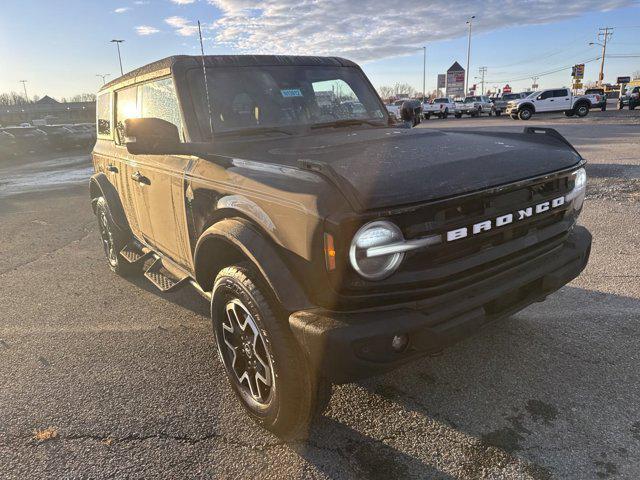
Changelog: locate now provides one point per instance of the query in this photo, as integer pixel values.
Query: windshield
(534, 94)
(246, 98)
(471, 99)
(510, 96)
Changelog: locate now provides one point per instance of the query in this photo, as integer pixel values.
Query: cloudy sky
(59, 47)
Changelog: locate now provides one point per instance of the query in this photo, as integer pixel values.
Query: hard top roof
(165, 65)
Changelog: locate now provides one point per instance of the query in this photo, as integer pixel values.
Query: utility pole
(424, 73)
(482, 71)
(466, 77)
(103, 76)
(24, 85)
(534, 85)
(118, 42)
(603, 34)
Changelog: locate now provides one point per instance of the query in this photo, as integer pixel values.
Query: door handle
(141, 179)
(112, 169)
(551, 100)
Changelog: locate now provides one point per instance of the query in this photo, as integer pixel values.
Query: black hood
(386, 167)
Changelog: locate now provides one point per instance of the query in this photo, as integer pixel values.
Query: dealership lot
(119, 380)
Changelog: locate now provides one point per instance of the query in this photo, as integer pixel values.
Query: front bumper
(344, 346)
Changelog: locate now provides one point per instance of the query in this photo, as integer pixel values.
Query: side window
(545, 95)
(560, 93)
(103, 114)
(158, 100)
(126, 107)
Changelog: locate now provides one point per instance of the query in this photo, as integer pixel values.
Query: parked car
(474, 106)
(394, 108)
(330, 248)
(28, 139)
(59, 136)
(630, 99)
(81, 135)
(602, 104)
(440, 107)
(553, 100)
(500, 103)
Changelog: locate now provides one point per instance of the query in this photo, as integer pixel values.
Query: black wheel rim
(107, 239)
(245, 353)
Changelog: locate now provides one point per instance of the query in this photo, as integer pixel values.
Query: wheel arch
(236, 239)
(528, 105)
(100, 186)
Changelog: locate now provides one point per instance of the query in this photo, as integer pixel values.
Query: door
(545, 101)
(157, 181)
(562, 99)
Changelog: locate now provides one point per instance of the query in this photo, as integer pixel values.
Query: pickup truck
(630, 99)
(440, 107)
(474, 106)
(330, 245)
(553, 100)
(500, 103)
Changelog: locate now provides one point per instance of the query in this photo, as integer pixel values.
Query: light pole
(466, 77)
(118, 42)
(103, 76)
(424, 73)
(24, 85)
(605, 33)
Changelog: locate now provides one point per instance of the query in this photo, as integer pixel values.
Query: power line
(542, 74)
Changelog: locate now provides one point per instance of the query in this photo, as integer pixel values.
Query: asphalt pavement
(104, 377)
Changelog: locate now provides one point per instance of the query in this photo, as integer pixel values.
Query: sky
(59, 46)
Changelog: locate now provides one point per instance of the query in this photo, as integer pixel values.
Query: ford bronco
(331, 244)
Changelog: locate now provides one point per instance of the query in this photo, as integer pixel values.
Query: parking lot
(101, 376)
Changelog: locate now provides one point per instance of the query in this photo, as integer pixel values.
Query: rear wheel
(525, 113)
(498, 113)
(582, 110)
(458, 115)
(266, 368)
(113, 240)
(620, 104)
(446, 113)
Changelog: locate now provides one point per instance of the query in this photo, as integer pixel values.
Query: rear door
(562, 99)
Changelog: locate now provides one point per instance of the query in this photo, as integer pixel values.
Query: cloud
(122, 9)
(374, 29)
(183, 2)
(146, 30)
(141, 2)
(182, 26)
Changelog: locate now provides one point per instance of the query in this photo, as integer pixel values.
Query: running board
(164, 279)
(133, 253)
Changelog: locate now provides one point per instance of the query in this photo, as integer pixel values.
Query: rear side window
(560, 93)
(126, 107)
(103, 114)
(158, 100)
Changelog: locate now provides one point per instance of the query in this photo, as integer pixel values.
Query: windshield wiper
(254, 131)
(346, 123)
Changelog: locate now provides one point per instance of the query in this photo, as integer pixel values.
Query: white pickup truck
(553, 100)
(440, 107)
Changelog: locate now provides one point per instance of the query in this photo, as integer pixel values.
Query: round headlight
(375, 234)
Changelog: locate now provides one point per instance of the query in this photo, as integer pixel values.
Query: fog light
(399, 342)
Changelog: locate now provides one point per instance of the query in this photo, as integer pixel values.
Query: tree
(83, 97)
(385, 91)
(636, 75)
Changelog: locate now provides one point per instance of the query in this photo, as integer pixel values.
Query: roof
(47, 100)
(456, 67)
(165, 65)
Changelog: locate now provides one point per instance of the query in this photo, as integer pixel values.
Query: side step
(163, 278)
(133, 253)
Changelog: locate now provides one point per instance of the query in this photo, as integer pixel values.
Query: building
(50, 110)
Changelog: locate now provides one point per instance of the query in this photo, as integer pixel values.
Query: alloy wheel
(107, 239)
(247, 352)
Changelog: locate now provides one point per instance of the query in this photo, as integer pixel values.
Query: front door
(545, 101)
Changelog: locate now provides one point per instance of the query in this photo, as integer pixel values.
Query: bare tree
(83, 97)
(385, 91)
(636, 75)
(404, 89)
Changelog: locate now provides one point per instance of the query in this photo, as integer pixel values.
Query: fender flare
(527, 105)
(100, 186)
(248, 239)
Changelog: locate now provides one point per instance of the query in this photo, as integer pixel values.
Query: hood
(386, 167)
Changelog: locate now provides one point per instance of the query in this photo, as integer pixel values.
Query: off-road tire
(582, 110)
(498, 113)
(296, 394)
(113, 240)
(569, 113)
(458, 115)
(525, 114)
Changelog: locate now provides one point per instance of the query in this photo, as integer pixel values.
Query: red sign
(506, 89)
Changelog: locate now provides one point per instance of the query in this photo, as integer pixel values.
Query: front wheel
(458, 115)
(525, 114)
(620, 105)
(569, 113)
(498, 113)
(266, 368)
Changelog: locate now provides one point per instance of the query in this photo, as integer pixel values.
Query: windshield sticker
(291, 92)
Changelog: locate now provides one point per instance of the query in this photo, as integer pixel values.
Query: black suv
(331, 244)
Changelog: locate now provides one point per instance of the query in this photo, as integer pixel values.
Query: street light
(466, 77)
(118, 42)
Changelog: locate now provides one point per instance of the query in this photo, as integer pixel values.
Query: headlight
(375, 234)
(579, 188)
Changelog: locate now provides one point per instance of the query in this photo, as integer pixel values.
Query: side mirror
(151, 136)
